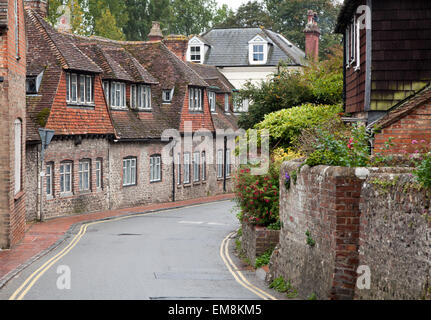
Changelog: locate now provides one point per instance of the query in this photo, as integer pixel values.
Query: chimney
(155, 32)
(178, 44)
(39, 6)
(312, 35)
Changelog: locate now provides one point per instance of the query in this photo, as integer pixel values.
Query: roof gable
(230, 47)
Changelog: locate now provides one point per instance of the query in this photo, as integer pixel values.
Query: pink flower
(415, 142)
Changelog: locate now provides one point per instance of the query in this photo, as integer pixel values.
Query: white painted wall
(238, 76)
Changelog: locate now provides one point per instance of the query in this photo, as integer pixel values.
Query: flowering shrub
(347, 147)
(258, 196)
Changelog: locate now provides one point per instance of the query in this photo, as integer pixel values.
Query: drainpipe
(224, 164)
(173, 169)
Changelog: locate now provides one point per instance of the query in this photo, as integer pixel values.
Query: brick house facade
(387, 67)
(12, 122)
(109, 103)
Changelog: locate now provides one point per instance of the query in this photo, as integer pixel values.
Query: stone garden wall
(336, 219)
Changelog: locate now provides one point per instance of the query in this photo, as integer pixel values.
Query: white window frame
(129, 171)
(195, 99)
(140, 97)
(84, 175)
(106, 91)
(18, 156)
(118, 95)
(226, 103)
(228, 163)
(220, 163)
(169, 92)
(179, 168)
(155, 168)
(204, 166)
(212, 100)
(196, 166)
(258, 42)
(186, 167)
(196, 43)
(49, 174)
(99, 173)
(66, 177)
(79, 89)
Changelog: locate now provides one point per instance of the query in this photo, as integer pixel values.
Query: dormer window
(167, 95)
(258, 54)
(32, 84)
(196, 50)
(258, 50)
(79, 89)
(195, 99)
(117, 95)
(195, 54)
(140, 97)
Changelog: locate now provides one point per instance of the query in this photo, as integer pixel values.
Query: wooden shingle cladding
(401, 57)
(395, 54)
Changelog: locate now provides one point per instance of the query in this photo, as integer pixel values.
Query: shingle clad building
(109, 103)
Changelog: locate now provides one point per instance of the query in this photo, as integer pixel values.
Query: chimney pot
(155, 32)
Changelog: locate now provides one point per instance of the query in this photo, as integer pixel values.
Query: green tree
(112, 12)
(250, 14)
(223, 14)
(320, 83)
(191, 16)
(290, 19)
(76, 7)
(141, 15)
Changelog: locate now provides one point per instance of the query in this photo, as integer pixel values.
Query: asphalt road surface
(170, 255)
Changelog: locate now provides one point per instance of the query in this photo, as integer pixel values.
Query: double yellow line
(20, 293)
(237, 274)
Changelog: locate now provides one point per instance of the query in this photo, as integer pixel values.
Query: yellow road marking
(237, 274)
(34, 277)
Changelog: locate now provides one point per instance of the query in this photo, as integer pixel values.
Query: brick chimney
(155, 32)
(40, 6)
(312, 35)
(178, 44)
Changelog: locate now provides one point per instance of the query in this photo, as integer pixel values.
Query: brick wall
(257, 240)
(12, 107)
(324, 202)
(414, 126)
(395, 237)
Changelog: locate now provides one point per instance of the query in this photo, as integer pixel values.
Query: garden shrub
(285, 126)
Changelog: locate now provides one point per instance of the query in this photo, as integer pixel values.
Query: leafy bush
(285, 126)
(264, 259)
(348, 147)
(423, 171)
(258, 195)
(319, 83)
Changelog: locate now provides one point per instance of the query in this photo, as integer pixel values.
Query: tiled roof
(69, 55)
(345, 15)
(212, 76)
(233, 43)
(48, 108)
(3, 13)
(403, 108)
(224, 120)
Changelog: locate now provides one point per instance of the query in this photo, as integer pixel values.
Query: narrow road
(172, 254)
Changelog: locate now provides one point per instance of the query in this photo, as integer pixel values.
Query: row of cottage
(109, 104)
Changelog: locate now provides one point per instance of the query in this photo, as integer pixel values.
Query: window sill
(197, 183)
(155, 181)
(80, 105)
(167, 102)
(187, 185)
(18, 195)
(49, 197)
(66, 195)
(356, 69)
(119, 108)
(129, 185)
(84, 192)
(196, 111)
(142, 110)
